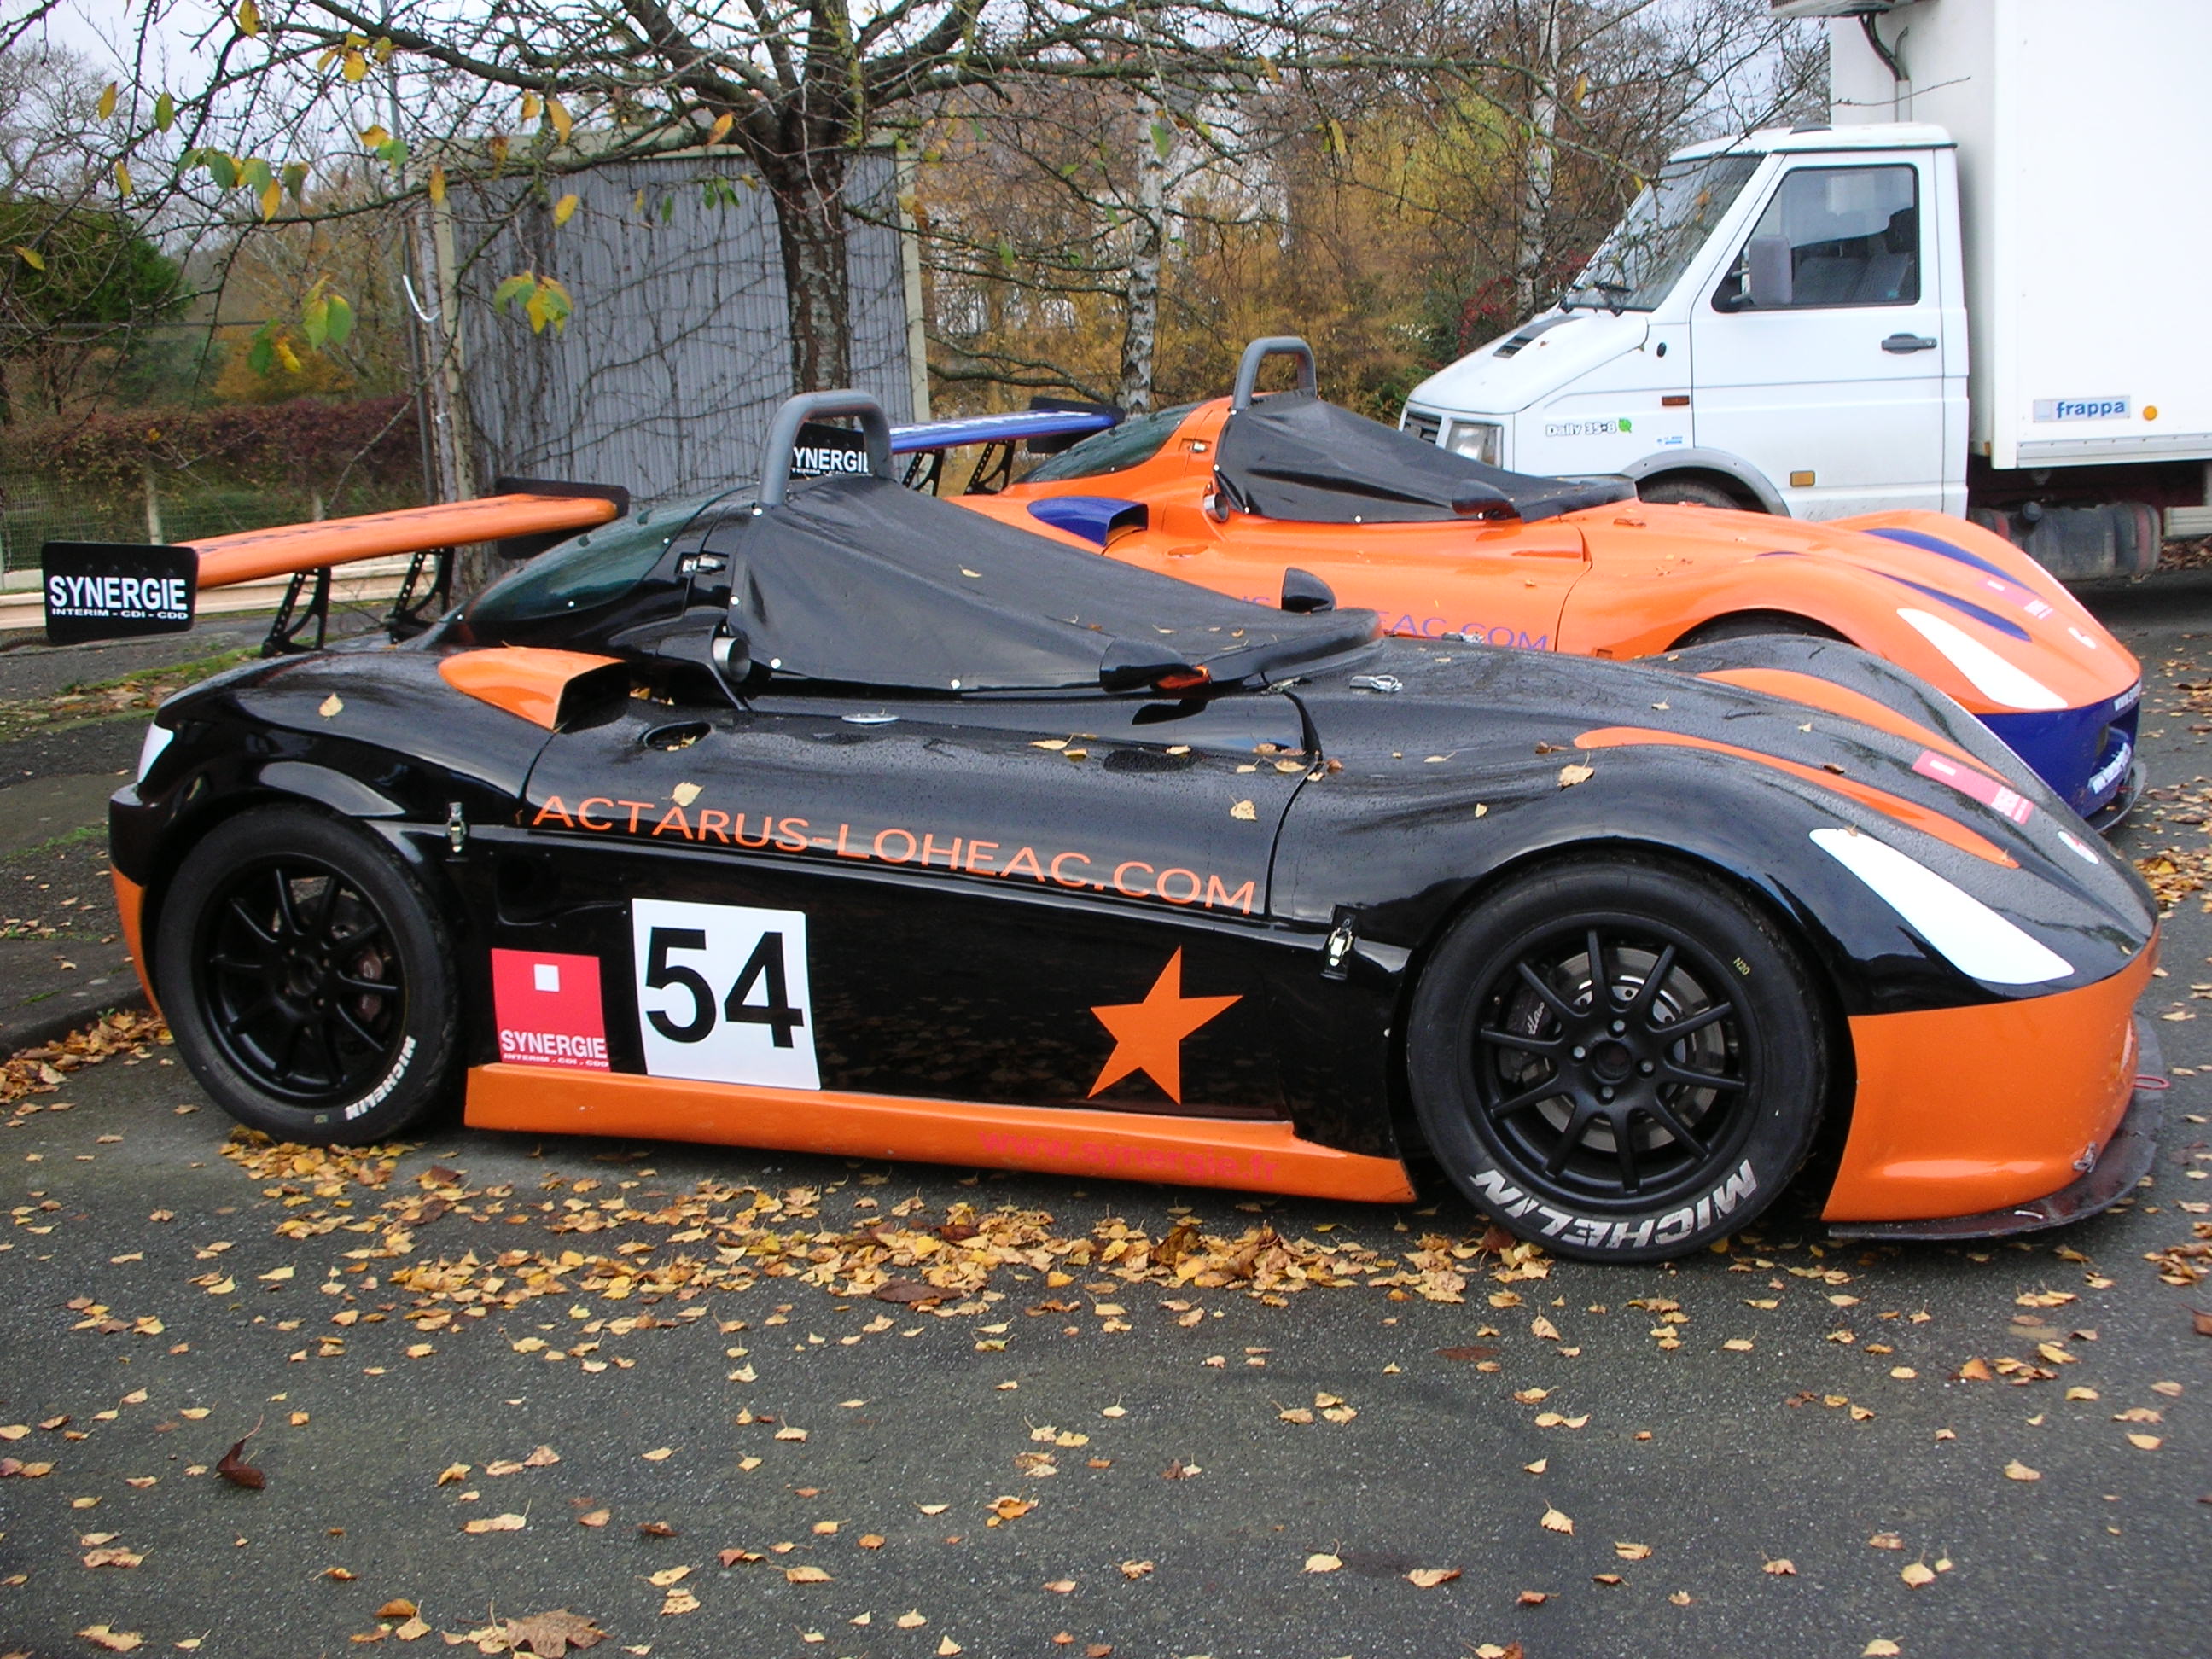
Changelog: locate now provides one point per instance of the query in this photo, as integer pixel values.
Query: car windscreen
(1638, 264)
(1115, 450)
(594, 569)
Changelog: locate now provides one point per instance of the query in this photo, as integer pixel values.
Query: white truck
(1974, 292)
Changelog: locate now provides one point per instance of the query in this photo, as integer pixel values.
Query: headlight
(158, 737)
(1476, 439)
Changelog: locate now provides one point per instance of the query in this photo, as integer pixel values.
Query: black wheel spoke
(1535, 1045)
(230, 964)
(287, 1045)
(1696, 1021)
(1600, 982)
(1624, 1152)
(1558, 1003)
(352, 1023)
(1673, 1074)
(1640, 1004)
(376, 988)
(1527, 1097)
(1571, 1138)
(1674, 1126)
(236, 1021)
(251, 923)
(288, 914)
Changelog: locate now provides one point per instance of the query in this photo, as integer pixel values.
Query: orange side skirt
(251, 554)
(1963, 1110)
(129, 907)
(1122, 1146)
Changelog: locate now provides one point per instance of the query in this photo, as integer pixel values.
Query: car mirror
(1304, 592)
(1768, 273)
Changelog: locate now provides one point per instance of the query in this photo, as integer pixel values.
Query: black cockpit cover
(860, 581)
(1290, 456)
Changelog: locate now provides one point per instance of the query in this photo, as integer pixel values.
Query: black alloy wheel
(306, 978)
(1619, 1059)
(300, 981)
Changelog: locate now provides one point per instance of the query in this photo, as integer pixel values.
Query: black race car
(840, 819)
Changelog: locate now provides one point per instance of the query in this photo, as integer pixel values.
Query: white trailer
(1975, 291)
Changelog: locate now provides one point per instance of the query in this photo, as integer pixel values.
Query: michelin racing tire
(1631, 1114)
(307, 980)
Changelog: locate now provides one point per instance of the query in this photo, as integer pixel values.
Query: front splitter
(2125, 1160)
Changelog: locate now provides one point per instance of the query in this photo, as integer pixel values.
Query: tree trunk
(1140, 325)
(809, 192)
(1536, 167)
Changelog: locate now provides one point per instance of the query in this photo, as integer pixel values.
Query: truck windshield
(1638, 264)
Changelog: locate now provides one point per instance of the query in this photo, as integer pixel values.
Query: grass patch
(138, 692)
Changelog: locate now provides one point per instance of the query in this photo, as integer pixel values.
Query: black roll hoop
(1272, 345)
(783, 436)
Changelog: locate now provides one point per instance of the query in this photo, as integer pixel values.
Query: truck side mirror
(1768, 273)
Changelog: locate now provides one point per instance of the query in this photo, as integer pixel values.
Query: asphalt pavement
(668, 1390)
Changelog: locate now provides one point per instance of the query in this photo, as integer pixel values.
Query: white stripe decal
(1975, 939)
(1991, 674)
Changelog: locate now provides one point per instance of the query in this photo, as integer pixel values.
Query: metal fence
(680, 351)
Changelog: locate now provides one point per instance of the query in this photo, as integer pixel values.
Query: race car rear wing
(117, 590)
(120, 590)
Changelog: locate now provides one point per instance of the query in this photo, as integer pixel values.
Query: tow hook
(1336, 949)
(456, 827)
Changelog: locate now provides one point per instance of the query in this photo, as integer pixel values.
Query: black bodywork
(1296, 806)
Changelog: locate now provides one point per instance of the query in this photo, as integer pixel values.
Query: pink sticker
(2026, 599)
(548, 1010)
(1970, 780)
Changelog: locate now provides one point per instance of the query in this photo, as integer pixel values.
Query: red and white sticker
(1972, 781)
(549, 1011)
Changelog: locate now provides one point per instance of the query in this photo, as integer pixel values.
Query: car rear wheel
(306, 978)
(1617, 1059)
(1756, 625)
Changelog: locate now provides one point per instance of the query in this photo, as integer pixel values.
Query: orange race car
(1241, 494)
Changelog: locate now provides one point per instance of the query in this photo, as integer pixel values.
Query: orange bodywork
(1965, 1110)
(1940, 825)
(130, 909)
(525, 681)
(1625, 579)
(253, 554)
(1196, 1151)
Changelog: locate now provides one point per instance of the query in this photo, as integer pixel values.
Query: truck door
(1818, 356)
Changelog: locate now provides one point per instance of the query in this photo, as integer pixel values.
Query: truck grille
(1424, 426)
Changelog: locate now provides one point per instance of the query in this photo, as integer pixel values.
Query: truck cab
(1779, 324)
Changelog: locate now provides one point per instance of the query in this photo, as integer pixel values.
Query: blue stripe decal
(997, 429)
(1928, 543)
(2002, 625)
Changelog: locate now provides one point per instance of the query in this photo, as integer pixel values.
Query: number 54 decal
(722, 993)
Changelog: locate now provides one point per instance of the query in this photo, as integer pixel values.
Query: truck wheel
(1690, 492)
(1617, 1061)
(308, 979)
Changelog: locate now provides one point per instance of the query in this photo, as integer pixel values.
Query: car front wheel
(306, 978)
(1617, 1059)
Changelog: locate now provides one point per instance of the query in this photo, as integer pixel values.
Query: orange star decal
(1148, 1035)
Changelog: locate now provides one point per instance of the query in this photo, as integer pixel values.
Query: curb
(36, 1031)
